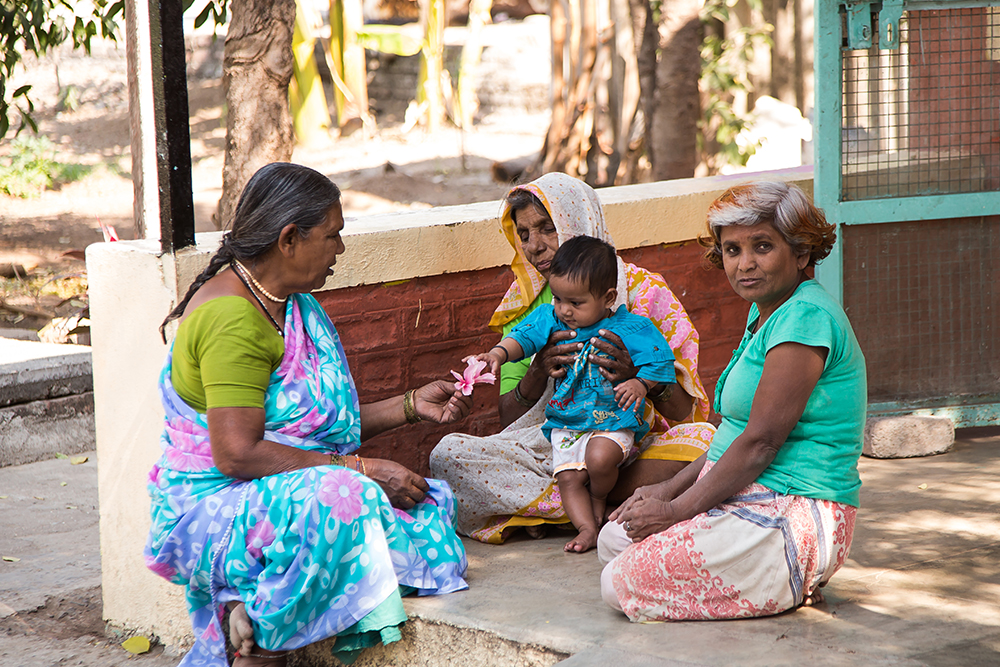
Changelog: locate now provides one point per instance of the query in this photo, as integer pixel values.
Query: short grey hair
(785, 207)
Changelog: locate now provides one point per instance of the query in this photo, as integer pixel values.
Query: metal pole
(161, 137)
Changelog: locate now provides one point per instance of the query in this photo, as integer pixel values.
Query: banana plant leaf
(398, 40)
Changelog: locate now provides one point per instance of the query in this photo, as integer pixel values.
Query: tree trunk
(595, 93)
(432, 62)
(257, 68)
(468, 69)
(672, 143)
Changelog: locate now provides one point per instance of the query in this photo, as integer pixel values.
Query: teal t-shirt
(512, 372)
(820, 457)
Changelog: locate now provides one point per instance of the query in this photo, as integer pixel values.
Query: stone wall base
(39, 430)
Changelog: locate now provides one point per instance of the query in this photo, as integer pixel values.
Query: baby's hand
(491, 358)
(631, 394)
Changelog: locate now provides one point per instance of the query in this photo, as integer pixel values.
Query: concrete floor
(922, 585)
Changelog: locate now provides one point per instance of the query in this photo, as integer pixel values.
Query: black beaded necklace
(258, 299)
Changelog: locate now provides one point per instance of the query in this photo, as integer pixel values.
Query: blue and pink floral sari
(313, 553)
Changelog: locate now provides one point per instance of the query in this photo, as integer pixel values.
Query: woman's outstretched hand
(618, 367)
(441, 402)
(404, 487)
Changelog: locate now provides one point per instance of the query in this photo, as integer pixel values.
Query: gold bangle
(519, 397)
(360, 465)
(409, 410)
(337, 460)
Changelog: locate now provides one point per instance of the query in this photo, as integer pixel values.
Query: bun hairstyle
(785, 207)
(278, 195)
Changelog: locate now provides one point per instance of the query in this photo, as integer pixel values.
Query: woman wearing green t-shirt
(766, 517)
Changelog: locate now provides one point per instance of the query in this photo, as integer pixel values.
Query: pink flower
(473, 375)
(341, 492)
(109, 232)
(258, 537)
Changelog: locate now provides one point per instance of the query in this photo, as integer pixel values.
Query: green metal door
(908, 167)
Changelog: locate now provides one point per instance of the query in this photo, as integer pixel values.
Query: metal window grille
(924, 298)
(924, 119)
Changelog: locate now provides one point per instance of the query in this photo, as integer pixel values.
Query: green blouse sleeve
(224, 354)
(511, 373)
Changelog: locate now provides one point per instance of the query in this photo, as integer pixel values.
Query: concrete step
(919, 587)
(46, 401)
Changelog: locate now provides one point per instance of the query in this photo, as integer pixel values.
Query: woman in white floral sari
(506, 480)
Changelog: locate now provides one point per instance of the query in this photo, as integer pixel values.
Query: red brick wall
(402, 335)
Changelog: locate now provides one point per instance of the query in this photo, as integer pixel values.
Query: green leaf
(21, 91)
(389, 39)
(203, 16)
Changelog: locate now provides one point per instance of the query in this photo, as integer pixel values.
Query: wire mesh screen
(924, 299)
(924, 119)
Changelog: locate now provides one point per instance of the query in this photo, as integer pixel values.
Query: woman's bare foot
(240, 628)
(814, 598)
(585, 540)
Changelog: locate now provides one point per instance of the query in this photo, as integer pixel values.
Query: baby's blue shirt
(584, 400)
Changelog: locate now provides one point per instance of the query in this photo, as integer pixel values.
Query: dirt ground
(390, 171)
(43, 236)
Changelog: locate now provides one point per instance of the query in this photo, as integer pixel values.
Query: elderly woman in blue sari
(261, 502)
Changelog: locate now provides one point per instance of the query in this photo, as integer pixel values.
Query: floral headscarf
(575, 210)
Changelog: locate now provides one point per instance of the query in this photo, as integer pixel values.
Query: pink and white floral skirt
(759, 553)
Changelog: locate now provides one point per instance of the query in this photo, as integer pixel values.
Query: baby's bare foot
(536, 532)
(584, 541)
(600, 506)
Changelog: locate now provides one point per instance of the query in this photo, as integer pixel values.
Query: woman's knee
(438, 459)
(611, 541)
(608, 588)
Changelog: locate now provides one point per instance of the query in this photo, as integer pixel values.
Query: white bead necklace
(256, 284)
